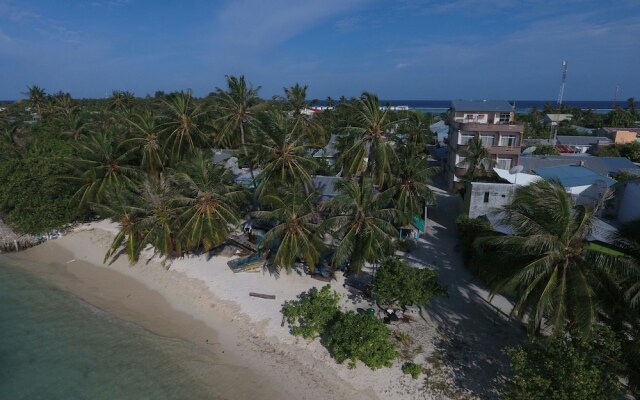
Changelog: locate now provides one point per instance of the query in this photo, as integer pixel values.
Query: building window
(465, 138)
(508, 140)
(505, 117)
(504, 163)
(471, 117)
(486, 197)
(487, 140)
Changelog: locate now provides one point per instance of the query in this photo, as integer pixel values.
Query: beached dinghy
(252, 262)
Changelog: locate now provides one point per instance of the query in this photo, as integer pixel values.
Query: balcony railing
(500, 127)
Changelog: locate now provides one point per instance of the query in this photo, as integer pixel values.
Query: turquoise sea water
(55, 346)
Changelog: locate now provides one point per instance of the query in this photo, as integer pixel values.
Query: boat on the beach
(248, 263)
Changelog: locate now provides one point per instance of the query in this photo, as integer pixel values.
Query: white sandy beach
(224, 317)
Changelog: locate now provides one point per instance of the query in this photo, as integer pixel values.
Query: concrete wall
(622, 137)
(628, 209)
(496, 195)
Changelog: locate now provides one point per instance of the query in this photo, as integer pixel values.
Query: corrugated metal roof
(582, 140)
(326, 185)
(572, 175)
(481, 105)
(600, 165)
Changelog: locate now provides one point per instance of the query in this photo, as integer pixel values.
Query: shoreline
(201, 301)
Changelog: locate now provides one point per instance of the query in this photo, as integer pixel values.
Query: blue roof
(481, 105)
(573, 175)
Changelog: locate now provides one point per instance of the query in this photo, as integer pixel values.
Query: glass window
(508, 140)
(486, 197)
(465, 138)
(504, 163)
(487, 140)
(505, 117)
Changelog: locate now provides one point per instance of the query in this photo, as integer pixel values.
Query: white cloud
(256, 23)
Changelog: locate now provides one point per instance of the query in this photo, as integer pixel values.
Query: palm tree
(236, 107)
(411, 180)
(103, 166)
(477, 159)
(182, 126)
(362, 222)
(556, 273)
(121, 100)
(79, 127)
(158, 223)
(282, 153)
(37, 98)
(208, 203)
(367, 148)
(297, 234)
(121, 207)
(64, 107)
(146, 141)
(415, 133)
(308, 127)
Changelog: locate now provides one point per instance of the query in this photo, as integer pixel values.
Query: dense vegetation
(567, 288)
(347, 335)
(147, 164)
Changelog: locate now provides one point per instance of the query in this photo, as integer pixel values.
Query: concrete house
(491, 121)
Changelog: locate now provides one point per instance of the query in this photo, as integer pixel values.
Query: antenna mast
(615, 97)
(564, 78)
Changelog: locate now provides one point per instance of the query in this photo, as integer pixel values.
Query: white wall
(629, 209)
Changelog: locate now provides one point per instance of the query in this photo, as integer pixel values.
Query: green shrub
(312, 313)
(412, 369)
(398, 283)
(562, 369)
(361, 337)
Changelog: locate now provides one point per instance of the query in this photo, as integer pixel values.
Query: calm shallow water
(55, 346)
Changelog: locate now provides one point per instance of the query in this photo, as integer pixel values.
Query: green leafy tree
(398, 283)
(556, 274)
(546, 150)
(361, 337)
(562, 368)
(362, 222)
(620, 118)
(313, 313)
(33, 198)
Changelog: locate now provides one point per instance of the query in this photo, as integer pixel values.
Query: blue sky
(399, 49)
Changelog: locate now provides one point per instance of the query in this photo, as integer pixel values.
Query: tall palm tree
(121, 100)
(362, 222)
(158, 223)
(37, 98)
(123, 207)
(296, 234)
(103, 166)
(556, 273)
(415, 133)
(182, 126)
(477, 159)
(308, 126)
(146, 141)
(367, 140)
(282, 153)
(208, 203)
(78, 128)
(411, 180)
(236, 108)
